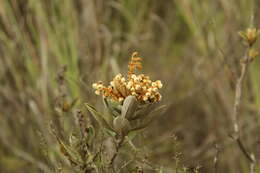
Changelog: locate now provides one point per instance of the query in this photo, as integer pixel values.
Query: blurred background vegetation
(191, 45)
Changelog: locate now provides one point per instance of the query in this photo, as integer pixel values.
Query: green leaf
(110, 133)
(99, 118)
(71, 155)
(149, 119)
(121, 125)
(242, 34)
(144, 111)
(114, 111)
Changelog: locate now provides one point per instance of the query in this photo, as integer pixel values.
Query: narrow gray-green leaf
(144, 111)
(112, 110)
(99, 118)
(152, 116)
(71, 155)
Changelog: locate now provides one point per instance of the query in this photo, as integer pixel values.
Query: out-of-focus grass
(191, 45)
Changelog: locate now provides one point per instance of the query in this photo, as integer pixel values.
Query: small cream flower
(94, 85)
(137, 87)
(145, 98)
(120, 99)
(97, 92)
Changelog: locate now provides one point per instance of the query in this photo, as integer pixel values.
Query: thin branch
(124, 165)
(216, 158)
(238, 96)
(244, 65)
(243, 149)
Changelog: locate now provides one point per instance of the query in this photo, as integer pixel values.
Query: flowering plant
(129, 100)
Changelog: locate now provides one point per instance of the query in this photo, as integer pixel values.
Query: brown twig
(244, 65)
(238, 93)
(243, 149)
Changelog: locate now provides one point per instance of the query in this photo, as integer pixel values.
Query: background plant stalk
(239, 84)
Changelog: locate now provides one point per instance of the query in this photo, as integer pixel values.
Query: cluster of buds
(140, 86)
(252, 54)
(250, 36)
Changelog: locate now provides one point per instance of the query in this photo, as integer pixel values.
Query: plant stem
(118, 146)
(244, 65)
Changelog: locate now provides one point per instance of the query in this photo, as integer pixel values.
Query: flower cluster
(252, 53)
(141, 86)
(250, 35)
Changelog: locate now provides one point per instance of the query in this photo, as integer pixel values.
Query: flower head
(250, 35)
(138, 85)
(252, 54)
